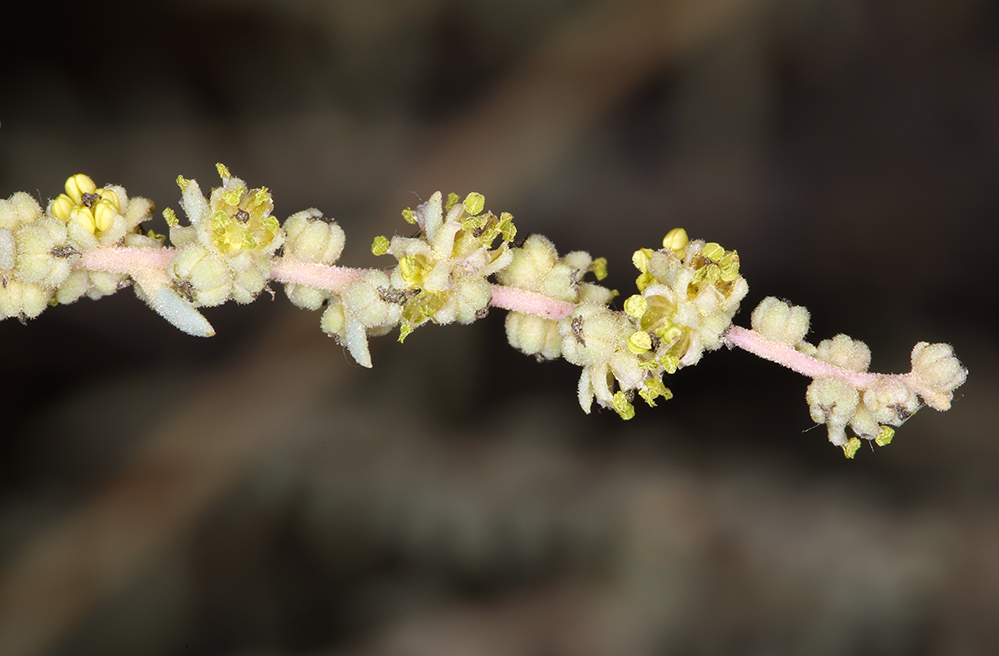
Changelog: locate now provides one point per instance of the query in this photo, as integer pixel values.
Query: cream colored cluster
(689, 292)
(592, 336)
(369, 306)
(872, 404)
(312, 238)
(536, 267)
(38, 249)
(441, 274)
(226, 251)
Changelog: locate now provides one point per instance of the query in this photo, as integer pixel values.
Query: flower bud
(23, 299)
(843, 351)
(203, 276)
(890, 401)
(776, 320)
(303, 296)
(42, 256)
(311, 238)
(533, 335)
(589, 335)
(832, 401)
(936, 367)
(250, 273)
(20, 209)
(470, 298)
(863, 423)
(8, 250)
(530, 262)
(332, 322)
(559, 282)
(363, 301)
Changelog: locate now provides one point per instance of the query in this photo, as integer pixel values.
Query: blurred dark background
(259, 494)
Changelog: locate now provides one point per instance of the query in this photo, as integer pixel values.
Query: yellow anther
(452, 200)
(851, 446)
(109, 196)
(652, 390)
(622, 406)
(669, 332)
(670, 363)
(729, 265)
(271, 225)
(884, 436)
(599, 267)
(85, 217)
(380, 245)
(639, 342)
(171, 217)
(506, 226)
(182, 182)
(709, 274)
(104, 214)
(640, 259)
(676, 240)
(713, 251)
(405, 328)
(234, 196)
(644, 281)
(62, 207)
(78, 185)
(474, 203)
(636, 306)
(223, 171)
(409, 215)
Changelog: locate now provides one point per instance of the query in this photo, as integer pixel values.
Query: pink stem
(114, 259)
(787, 356)
(331, 278)
(521, 300)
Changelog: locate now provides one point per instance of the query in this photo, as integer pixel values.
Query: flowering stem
(121, 259)
(785, 355)
(143, 261)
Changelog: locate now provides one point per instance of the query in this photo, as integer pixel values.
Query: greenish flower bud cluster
(39, 248)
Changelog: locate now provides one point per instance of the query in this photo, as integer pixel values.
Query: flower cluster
(844, 395)
(536, 267)
(441, 275)
(225, 254)
(461, 262)
(38, 249)
(688, 293)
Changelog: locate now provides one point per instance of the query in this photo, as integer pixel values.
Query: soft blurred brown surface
(258, 494)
